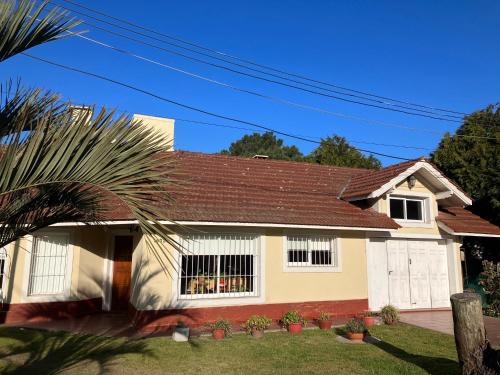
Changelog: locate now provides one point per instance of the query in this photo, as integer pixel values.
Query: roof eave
(407, 173)
(448, 230)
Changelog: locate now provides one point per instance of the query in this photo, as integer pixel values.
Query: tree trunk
(475, 354)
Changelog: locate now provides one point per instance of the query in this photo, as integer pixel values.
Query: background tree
(474, 161)
(337, 151)
(58, 167)
(263, 144)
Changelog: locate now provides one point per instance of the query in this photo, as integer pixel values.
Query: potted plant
(355, 329)
(325, 321)
(220, 329)
(389, 315)
(256, 325)
(181, 332)
(369, 318)
(293, 321)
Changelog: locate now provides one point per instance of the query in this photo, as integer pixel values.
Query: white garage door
(409, 274)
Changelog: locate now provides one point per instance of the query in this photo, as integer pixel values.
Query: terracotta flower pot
(325, 324)
(218, 334)
(295, 328)
(369, 321)
(257, 333)
(355, 336)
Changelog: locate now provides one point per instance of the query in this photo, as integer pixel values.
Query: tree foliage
(55, 166)
(490, 281)
(332, 151)
(337, 151)
(263, 144)
(474, 161)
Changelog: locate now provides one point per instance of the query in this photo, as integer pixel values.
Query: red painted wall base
(162, 320)
(43, 311)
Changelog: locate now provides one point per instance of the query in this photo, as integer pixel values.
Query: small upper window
(406, 208)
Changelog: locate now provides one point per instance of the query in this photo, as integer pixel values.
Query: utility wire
(267, 97)
(421, 113)
(253, 63)
(216, 65)
(308, 136)
(199, 110)
(206, 79)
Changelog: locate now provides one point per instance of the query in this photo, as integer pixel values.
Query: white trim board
(227, 224)
(451, 188)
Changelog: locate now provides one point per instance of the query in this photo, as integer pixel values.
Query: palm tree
(55, 166)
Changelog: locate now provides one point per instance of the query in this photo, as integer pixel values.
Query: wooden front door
(122, 268)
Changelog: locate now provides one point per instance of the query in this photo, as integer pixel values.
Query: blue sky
(444, 54)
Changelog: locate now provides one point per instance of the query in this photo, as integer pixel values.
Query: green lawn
(405, 350)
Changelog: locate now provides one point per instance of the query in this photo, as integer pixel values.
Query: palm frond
(114, 155)
(22, 26)
(26, 211)
(16, 99)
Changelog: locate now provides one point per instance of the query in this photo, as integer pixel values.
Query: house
(259, 236)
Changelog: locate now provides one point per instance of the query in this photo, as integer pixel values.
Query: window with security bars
(311, 251)
(49, 265)
(215, 266)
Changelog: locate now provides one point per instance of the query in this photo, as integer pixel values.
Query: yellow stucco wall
(88, 251)
(349, 283)
(153, 272)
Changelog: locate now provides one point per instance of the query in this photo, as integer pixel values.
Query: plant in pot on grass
(355, 329)
(257, 324)
(369, 318)
(293, 321)
(181, 332)
(325, 321)
(389, 315)
(220, 329)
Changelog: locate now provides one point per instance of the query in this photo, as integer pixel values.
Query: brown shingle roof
(461, 220)
(363, 184)
(233, 189)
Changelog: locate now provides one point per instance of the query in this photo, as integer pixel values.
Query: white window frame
(308, 266)
(66, 294)
(222, 299)
(4, 255)
(422, 200)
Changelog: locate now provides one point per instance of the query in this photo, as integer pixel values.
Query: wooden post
(474, 352)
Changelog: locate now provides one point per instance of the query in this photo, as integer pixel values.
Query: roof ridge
(273, 161)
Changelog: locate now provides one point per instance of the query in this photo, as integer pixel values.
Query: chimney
(161, 125)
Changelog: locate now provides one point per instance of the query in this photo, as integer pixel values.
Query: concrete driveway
(442, 321)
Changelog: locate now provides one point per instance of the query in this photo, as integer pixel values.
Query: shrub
(258, 322)
(324, 316)
(355, 325)
(292, 317)
(489, 279)
(389, 314)
(222, 324)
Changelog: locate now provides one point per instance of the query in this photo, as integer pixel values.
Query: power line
(421, 113)
(206, 79)
(268, 97)
(250, 129)
(224, 117)
(253, 63)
